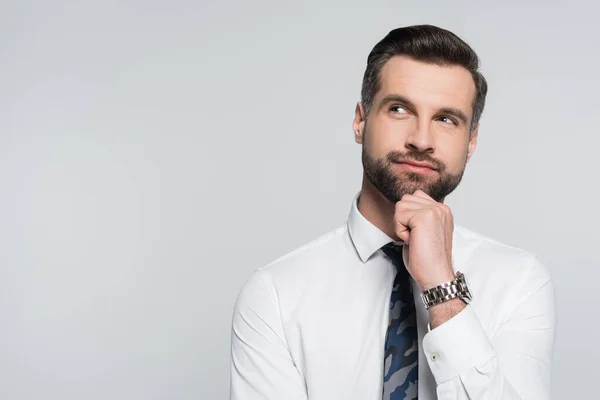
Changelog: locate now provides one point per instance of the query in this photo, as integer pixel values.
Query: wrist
(442, 312)
(432, 281)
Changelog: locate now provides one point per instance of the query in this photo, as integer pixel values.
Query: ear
(473, 142)
(358, 125)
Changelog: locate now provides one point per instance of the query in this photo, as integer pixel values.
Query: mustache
(397, 157)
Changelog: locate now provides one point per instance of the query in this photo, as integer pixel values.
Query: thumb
(405, 253)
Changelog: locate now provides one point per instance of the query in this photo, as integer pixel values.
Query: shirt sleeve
(261, 363)
(515, 363)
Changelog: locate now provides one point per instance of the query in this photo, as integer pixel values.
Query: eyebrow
(396, 98)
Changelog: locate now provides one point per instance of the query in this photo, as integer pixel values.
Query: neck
(376, 208)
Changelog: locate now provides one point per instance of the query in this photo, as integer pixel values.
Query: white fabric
(311, 324)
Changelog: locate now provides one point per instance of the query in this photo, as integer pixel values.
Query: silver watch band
(446, 291)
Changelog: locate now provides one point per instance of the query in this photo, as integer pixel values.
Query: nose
(420, 137)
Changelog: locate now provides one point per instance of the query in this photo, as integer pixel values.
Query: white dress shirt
(312, 324)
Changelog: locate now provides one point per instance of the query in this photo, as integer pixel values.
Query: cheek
(378, 137)
(455, 156)
(389, 134)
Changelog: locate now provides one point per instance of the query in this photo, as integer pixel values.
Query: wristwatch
(446, 291)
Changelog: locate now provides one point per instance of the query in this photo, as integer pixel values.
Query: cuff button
(435, 357)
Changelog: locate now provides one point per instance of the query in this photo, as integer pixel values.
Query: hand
(426, 228)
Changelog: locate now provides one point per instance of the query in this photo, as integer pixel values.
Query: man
(400, 302)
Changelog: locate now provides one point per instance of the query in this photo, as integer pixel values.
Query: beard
(393, 183)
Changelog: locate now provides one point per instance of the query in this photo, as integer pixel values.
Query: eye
(448, 120)
(398, 109)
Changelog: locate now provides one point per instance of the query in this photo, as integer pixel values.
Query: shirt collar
(366, 237)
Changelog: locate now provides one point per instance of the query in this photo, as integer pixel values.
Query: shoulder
(479, 251)
(310, 256)
(304, 260)
(287, 275)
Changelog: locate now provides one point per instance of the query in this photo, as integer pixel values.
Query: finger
(408, 201)
(410, 204)
(403, 217)
(402, 214)
(421, 194)
(418, 199)
(404, 236)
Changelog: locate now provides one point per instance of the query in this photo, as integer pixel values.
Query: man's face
(422, 112)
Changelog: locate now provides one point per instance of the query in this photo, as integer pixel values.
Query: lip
(418, 164)
(419, 167)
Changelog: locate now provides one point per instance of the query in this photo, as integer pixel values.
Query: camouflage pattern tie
(401, 361)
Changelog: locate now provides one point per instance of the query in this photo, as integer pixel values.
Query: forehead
(427, 84)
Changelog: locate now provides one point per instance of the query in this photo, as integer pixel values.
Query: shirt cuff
(456, 346)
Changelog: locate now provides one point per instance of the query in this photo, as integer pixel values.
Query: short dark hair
(429, 44)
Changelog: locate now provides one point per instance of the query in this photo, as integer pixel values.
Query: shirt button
(435, 357)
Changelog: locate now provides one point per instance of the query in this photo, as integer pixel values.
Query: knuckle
(431, 213)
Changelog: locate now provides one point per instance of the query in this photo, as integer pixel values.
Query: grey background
(154, 153)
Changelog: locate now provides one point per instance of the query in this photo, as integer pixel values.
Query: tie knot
(392, 246)
(394, 252)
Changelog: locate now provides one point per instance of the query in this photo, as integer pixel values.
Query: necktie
(401, 361)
